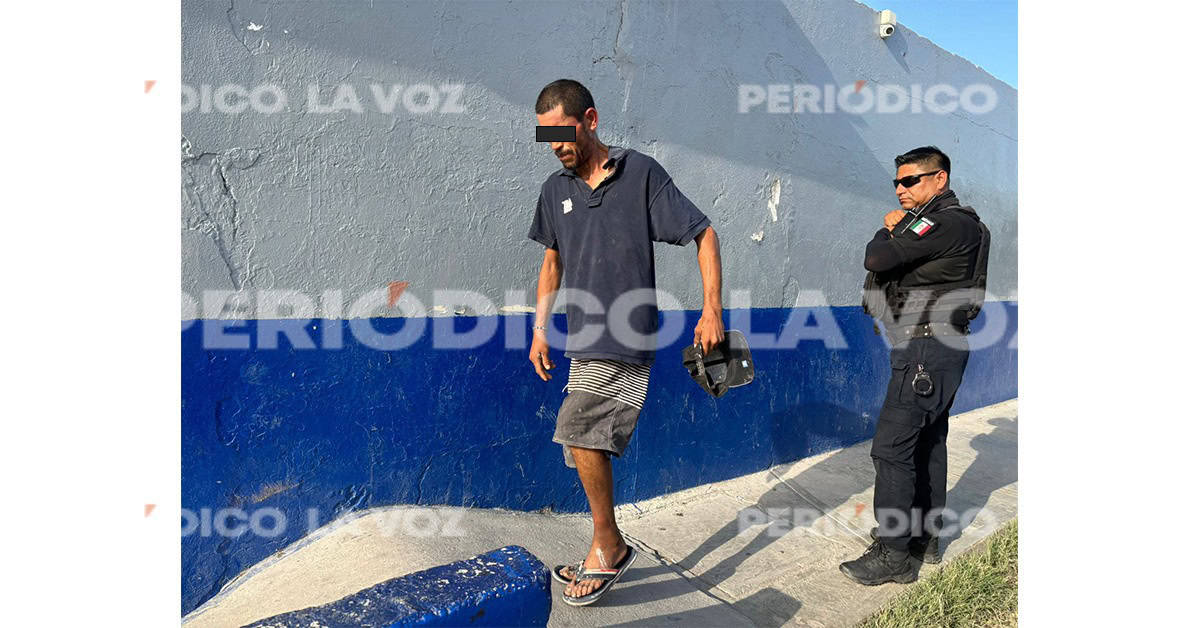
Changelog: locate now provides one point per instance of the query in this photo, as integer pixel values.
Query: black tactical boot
(880, 564)
(924, 548)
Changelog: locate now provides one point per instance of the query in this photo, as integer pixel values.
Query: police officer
(927, 274)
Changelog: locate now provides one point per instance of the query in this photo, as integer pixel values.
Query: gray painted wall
(308, 200)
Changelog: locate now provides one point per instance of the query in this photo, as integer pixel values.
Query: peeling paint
(269, 490)
(773, 200)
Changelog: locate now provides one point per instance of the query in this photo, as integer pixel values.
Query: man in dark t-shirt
(598, 218)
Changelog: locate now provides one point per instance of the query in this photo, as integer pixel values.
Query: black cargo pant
(909, 449)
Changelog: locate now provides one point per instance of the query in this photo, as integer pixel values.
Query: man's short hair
(572, 95)
(928, 156)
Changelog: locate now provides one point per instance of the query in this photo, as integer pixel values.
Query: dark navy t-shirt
(605, 240)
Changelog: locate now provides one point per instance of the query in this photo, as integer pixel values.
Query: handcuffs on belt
(922, 383)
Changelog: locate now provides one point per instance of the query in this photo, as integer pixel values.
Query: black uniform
(926, 282)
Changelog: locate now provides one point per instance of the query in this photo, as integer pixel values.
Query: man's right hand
(893, 218)
(539, 354)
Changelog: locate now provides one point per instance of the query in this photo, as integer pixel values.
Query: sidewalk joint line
(816, 503)
(687, 575)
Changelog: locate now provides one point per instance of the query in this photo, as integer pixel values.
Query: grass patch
(979, 588)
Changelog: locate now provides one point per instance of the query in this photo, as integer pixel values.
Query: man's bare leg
(595, 472)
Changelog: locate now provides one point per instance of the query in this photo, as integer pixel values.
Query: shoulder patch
(922, 226)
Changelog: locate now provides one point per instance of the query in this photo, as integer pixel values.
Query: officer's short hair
(572, 95)
(930, 156)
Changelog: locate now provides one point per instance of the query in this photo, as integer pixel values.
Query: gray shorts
(602, 406)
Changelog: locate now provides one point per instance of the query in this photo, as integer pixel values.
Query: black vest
(956, 302)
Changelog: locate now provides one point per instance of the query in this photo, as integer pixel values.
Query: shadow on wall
(662, 72)
(310, 201)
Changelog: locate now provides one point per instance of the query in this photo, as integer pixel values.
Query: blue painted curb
(504, 587)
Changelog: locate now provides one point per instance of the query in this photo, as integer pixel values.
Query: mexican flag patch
(921, 226)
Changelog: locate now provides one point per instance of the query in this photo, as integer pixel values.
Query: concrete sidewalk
(797, 521)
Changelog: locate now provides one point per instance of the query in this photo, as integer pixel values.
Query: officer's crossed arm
(902, 246)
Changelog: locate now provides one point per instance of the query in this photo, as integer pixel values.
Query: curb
(504, 587)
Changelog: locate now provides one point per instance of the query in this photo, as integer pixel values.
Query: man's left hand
(710, 331)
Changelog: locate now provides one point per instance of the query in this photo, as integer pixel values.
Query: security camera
(887, 24)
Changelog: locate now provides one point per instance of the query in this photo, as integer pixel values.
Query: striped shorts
(604, 400)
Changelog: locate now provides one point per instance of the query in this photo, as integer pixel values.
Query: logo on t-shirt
(567, 207)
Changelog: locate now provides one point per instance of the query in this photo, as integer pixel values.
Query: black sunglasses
(912, 179)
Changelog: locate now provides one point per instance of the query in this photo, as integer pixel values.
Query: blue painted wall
(353, 428)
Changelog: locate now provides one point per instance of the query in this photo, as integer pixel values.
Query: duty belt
(898, 335)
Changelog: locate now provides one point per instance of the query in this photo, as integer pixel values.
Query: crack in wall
(218, 582)
(211, 207)
(239, 30)
(620, 57)
(421, 479)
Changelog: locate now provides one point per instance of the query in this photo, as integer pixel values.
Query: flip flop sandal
(556, 573)
(608, 578)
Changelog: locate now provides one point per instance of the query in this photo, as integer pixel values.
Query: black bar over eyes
(555, 133)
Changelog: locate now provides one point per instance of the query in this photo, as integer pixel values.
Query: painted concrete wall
(313, 200)
(312, 435)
